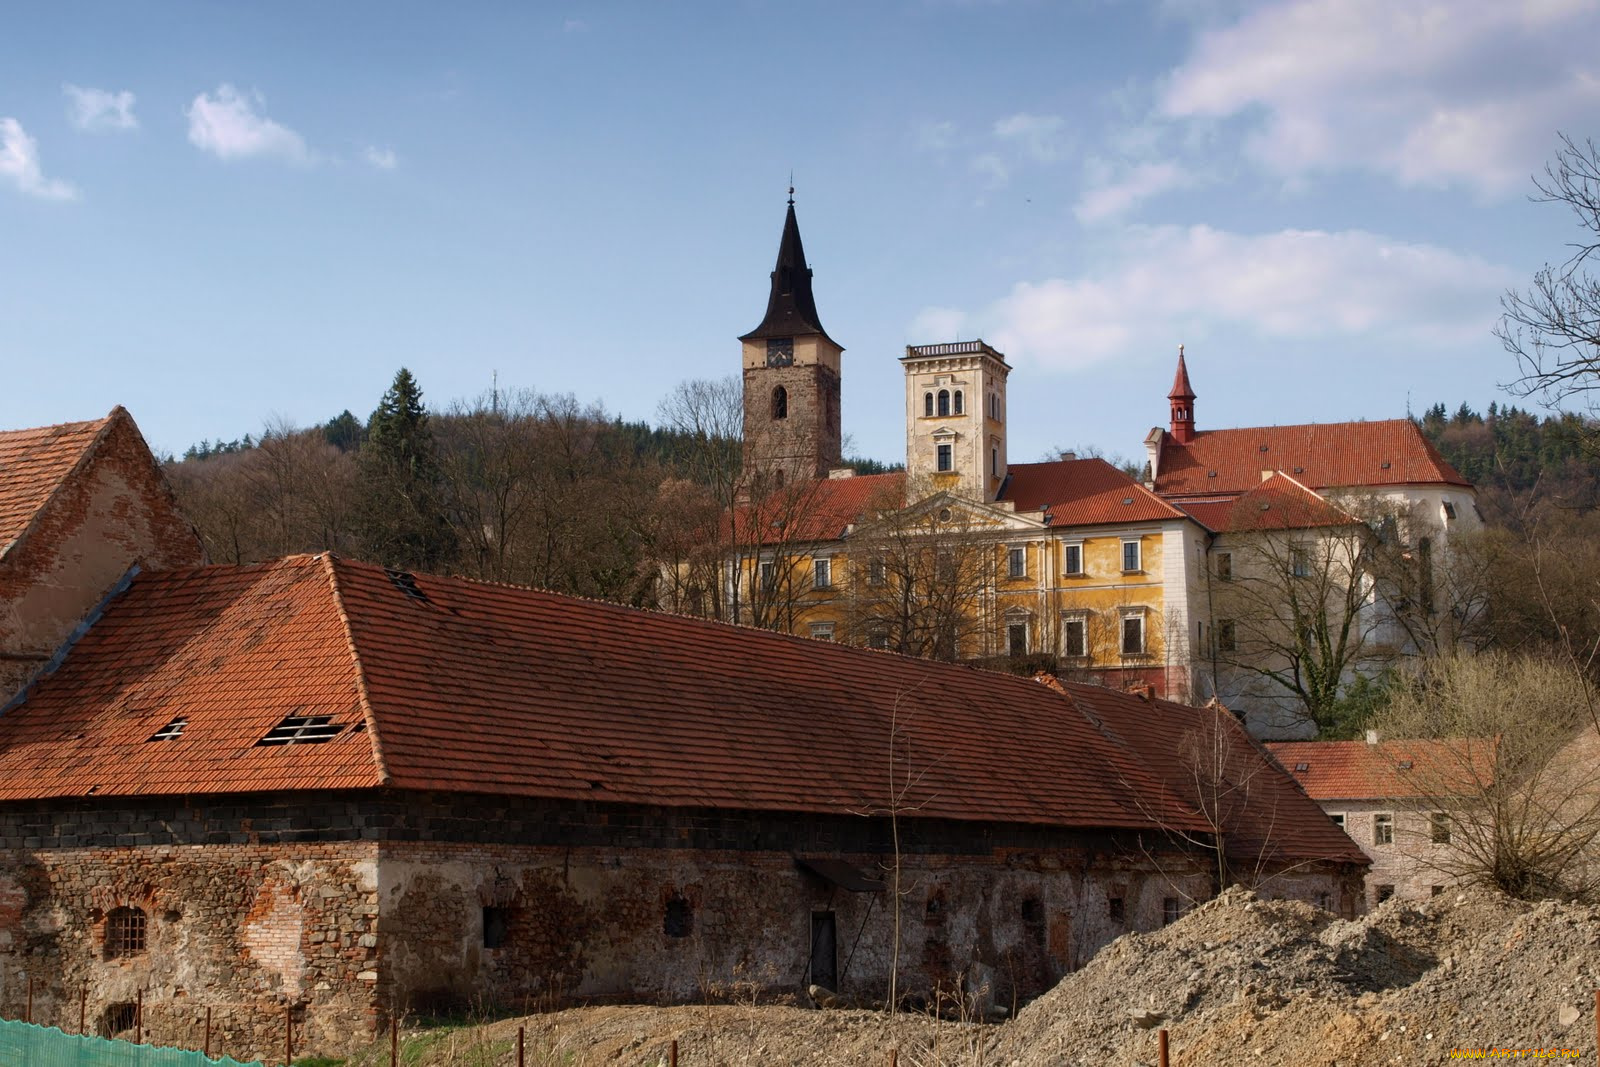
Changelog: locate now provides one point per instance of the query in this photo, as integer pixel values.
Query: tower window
(959, 409)
(994, 462)
(944, 402)
(946, 460)
(927, 404)
(780, 403)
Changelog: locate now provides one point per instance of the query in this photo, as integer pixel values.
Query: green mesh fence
(25, 1045)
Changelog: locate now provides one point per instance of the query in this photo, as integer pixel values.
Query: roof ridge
(363, 694)
(77, 465)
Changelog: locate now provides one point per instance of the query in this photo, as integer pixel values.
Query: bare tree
(1504, 746)
(919, 577)
(1553, 329)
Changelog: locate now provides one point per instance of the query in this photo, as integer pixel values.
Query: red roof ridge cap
(329, 563)
(82, 461)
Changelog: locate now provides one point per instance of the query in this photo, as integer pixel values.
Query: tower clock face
(780, 351)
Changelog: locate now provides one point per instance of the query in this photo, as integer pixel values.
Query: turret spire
(1182, 402)
(791, 307)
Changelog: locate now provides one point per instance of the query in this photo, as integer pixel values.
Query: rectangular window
(1227, 638)
(769, 577)
(1169, 911)
(1130, 557)
(1338, 819)
(1075, 637)
(994, 462)
(1017, 639)
(1224, 566)
(1072, 559)
(822, 577)
(1299, 562)
(877, 572)
(1439, 827)
(1383, 829)
(822, 631)
(945, 460)
(878, 639)
(1382, 893)
(1017, 561)
(1116, 910)
(1133, 635)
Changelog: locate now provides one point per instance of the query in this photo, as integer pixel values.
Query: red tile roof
(466, 687)
(1083, 492)
(1331, 455)
(34, 464)
(818, 510)
(1278, 503)
(1356, 770)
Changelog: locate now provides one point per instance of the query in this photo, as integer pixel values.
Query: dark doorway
(824, 950)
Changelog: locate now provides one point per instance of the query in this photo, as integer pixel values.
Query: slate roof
(791, 305)
(1320, 455)
(447, 684)
(34, 464)
(1083, 492)
(1279, 503)
(1356, 770)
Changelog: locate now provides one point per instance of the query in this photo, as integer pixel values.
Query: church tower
(791, 376)
(956, 418)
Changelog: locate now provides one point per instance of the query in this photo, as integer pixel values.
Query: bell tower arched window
(927, 404)
(958, 402)
(780, 403)
(944, 402)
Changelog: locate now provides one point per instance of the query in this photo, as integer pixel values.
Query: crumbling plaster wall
(116, 511)
(249, 931)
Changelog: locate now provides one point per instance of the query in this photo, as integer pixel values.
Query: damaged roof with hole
(370, 679)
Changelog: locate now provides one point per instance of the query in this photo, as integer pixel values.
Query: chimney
(1372, 737)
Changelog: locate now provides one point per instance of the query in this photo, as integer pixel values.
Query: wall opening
(126, 930)
(825, 950)
(677, 919)
(118, 1018)
(496, 927)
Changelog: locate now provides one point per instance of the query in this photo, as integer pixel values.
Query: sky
(221, 215)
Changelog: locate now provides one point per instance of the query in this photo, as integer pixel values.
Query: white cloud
(381, 158)
(1108, 198)
(1040, 136)
(226, 125)
(98, 109)
(1170, 282)
(930, 136)
(1429, 92)
(19, 164)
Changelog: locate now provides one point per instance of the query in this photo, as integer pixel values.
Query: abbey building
(1242, 563)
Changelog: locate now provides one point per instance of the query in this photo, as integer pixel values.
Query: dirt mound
(1275, 983)
(1280, 982)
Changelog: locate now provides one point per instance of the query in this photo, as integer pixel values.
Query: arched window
(927, 403)
(125, 933)
(944, 402)
(780, 403)
(958, 402)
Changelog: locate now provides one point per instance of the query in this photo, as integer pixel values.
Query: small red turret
(1182, 398)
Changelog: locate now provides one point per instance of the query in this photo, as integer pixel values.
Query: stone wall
(346, 908)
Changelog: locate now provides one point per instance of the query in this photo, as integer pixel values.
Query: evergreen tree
(405, 521)
(344, 431)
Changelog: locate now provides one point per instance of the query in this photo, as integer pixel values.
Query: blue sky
(220, 214)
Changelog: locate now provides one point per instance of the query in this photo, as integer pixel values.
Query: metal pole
(83, 1008)
(208, 1031)
(288, 1036)
(673, 1062)
(520, 1030)
(138, 1020)
(1161, 1047)
(1597, 1021)
(394, 1041)
(27, 1016)
(894, 1057)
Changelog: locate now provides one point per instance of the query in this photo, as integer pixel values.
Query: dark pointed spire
(791, 308)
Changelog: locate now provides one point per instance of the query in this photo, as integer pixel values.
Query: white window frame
(1016, 561)
(822, 631)
(1383, 828)
(1299, 561)
(1138, 555)
(1338, 818)
(1015, 619)
(944, 457)
(767, 575)
(1067, 552)
(1081, 618)
(822, 573)
(1127, 616)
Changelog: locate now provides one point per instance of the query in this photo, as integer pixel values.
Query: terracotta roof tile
(1278, 503)
(819, 509)
(1320, 455)
(1356, 770)
(34, 463)
(1083, 492)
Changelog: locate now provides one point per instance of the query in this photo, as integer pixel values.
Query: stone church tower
(791, 376)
